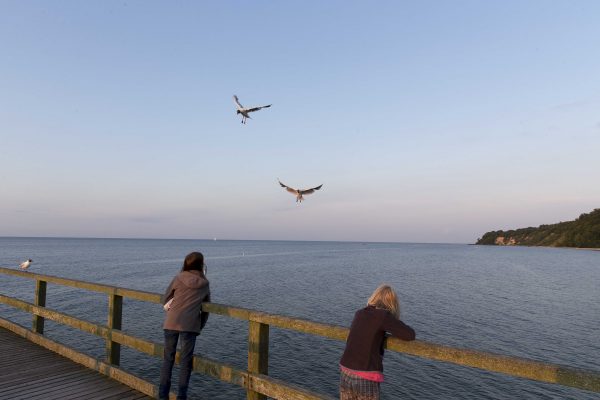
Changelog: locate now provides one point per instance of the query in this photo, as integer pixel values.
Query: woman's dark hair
(193, 262)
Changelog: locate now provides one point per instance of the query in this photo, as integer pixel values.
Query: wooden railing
(255, 379)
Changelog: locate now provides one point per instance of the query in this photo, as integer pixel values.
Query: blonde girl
(362, 362)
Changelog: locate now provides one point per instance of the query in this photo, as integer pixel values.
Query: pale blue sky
(426, 121)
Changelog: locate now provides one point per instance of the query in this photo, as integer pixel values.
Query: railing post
(258, 354)
(115, 316)
(40, 300)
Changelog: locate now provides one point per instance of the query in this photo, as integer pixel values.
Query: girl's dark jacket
(188, 290)
(364, 347)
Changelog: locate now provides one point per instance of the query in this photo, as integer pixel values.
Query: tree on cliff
(582, 232)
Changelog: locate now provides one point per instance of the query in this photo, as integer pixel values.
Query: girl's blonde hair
(385, 297)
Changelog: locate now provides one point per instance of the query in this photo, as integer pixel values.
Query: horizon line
(225, 239)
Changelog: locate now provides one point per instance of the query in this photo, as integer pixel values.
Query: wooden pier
(29, 371)
(255, 379)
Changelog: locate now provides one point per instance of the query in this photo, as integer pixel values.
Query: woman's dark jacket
(188, 290)
(364, 347)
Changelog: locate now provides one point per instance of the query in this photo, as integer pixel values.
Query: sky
(425, 121)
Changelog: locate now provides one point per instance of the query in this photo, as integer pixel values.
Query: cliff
(582, 232)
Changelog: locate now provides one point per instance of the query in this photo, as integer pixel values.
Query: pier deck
(29, 371)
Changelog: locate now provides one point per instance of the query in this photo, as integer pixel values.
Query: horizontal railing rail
(255, 379)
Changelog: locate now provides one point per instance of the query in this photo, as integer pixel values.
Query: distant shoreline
(544, 247)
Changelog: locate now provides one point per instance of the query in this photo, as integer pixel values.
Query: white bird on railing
(244, 111)
(25, 264)
(299, 192)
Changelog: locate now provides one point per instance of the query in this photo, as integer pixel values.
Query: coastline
(546, 247)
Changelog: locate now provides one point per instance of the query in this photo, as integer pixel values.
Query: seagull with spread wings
(299, 192)
(245, 111)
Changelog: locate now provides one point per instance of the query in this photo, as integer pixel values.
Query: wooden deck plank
(133, 396)
(41, 372)
(57, 380)
(79, 388)
(98, 396)
(120, 393)
(33, 386)
(30, 363)
(76, 382)
(33, 359)
(27, 356)
(82, 389)
(78, 395)
(42, 366)
(29, 371)
(56, 377)
(124, 396)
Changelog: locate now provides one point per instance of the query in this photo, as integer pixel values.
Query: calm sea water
(537, 303)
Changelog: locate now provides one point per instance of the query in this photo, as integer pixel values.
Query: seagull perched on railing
(299, 192)
(26, 264)
(245, 111)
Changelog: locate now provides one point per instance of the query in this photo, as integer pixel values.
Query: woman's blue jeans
(188, 342)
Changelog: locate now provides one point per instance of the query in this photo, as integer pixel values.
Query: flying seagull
(299, 192)
(245, 111)
(26, 264)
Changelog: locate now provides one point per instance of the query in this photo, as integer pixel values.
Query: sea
(537, 303)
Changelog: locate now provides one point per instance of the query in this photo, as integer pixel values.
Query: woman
(362, 363)
(184, 320)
